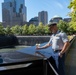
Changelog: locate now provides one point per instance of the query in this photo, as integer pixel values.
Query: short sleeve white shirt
(58, 40)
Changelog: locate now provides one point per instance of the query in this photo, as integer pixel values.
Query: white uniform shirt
(58, 40)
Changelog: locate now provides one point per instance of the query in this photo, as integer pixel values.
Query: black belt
(57, 50)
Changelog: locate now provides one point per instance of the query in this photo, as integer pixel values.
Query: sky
(53, 7)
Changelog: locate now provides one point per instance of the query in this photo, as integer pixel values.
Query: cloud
(59, 5)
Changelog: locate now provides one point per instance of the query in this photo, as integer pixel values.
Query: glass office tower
(7, 0)
(14, 12)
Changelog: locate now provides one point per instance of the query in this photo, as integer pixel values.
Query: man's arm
(65, 47)
(66, 43)
(43, 47)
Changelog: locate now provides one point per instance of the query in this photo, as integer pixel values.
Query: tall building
(56, 19)
(14, 12)
(43, 17)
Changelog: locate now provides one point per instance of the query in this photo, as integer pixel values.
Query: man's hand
(37, 46)
(60, 54)
(43, 47)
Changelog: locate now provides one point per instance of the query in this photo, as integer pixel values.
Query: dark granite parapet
(8, 40)
(32, 40)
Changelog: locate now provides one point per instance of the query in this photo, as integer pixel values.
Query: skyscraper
(14, 12)
(43, 17)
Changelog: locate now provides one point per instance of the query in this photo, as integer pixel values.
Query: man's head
(53, 27)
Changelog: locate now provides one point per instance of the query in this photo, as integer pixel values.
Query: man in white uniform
(59, 43)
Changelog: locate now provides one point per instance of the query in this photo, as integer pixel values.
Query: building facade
(56, 19)
(34, 21)
(43, 17)
(67, 19)
(13, 12)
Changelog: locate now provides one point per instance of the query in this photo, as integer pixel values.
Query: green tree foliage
(73, 27)
(40, 29)
(63, 26)
(73, 15)
(2, 31)
(31, 29)
(72, 5)
(46, 30)
(8, 30)
(17, 30)
(25, 29)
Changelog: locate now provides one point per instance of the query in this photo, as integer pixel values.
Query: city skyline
(53, 7)
(13, 12)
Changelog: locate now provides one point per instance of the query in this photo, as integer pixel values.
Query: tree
(73, 15)
(8, 30)
(72, 27)
(24, 29)
(46, 29)
(40, 29)
(2, 31)
(63, 26)
(17, 30)
(31, 29)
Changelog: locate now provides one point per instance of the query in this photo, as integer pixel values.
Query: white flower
(57, 35)
(37, 44)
